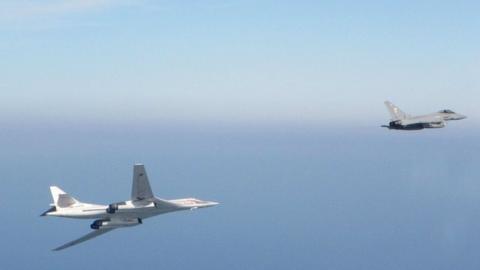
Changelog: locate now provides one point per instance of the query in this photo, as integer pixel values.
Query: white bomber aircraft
(143, 204)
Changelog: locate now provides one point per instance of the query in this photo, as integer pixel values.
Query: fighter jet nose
(460, 117)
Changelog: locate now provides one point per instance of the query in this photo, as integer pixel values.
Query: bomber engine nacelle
(436, 125)
(104, 223)
(112, 208)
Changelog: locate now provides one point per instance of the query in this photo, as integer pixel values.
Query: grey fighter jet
(401, 120)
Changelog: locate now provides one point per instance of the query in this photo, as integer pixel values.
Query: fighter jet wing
(84, 238)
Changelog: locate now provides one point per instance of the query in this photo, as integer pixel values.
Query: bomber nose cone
(212, 203)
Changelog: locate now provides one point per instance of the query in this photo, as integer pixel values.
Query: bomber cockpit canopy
(446, 111)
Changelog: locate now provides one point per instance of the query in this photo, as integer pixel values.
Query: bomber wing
(163, 204)
(84, 238)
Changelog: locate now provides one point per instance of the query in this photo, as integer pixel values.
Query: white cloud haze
(28, 9)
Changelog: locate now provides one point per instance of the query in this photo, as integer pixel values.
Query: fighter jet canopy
(446, 111)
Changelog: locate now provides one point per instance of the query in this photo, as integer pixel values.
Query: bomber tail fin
(140, 185)
(61, 198)
(395, 112)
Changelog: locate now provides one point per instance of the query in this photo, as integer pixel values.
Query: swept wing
(84, 238)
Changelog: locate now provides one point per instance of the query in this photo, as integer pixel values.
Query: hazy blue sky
(270, 107)
(236, 61)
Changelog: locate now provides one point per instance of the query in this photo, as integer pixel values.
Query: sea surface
(333, 197)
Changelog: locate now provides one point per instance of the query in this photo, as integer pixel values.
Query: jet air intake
(436, 125)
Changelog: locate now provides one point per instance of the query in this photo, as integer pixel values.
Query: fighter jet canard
(143, 204)
(403, 121)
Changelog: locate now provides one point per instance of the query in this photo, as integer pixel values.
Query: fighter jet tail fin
(395, 112)
(61, 198)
